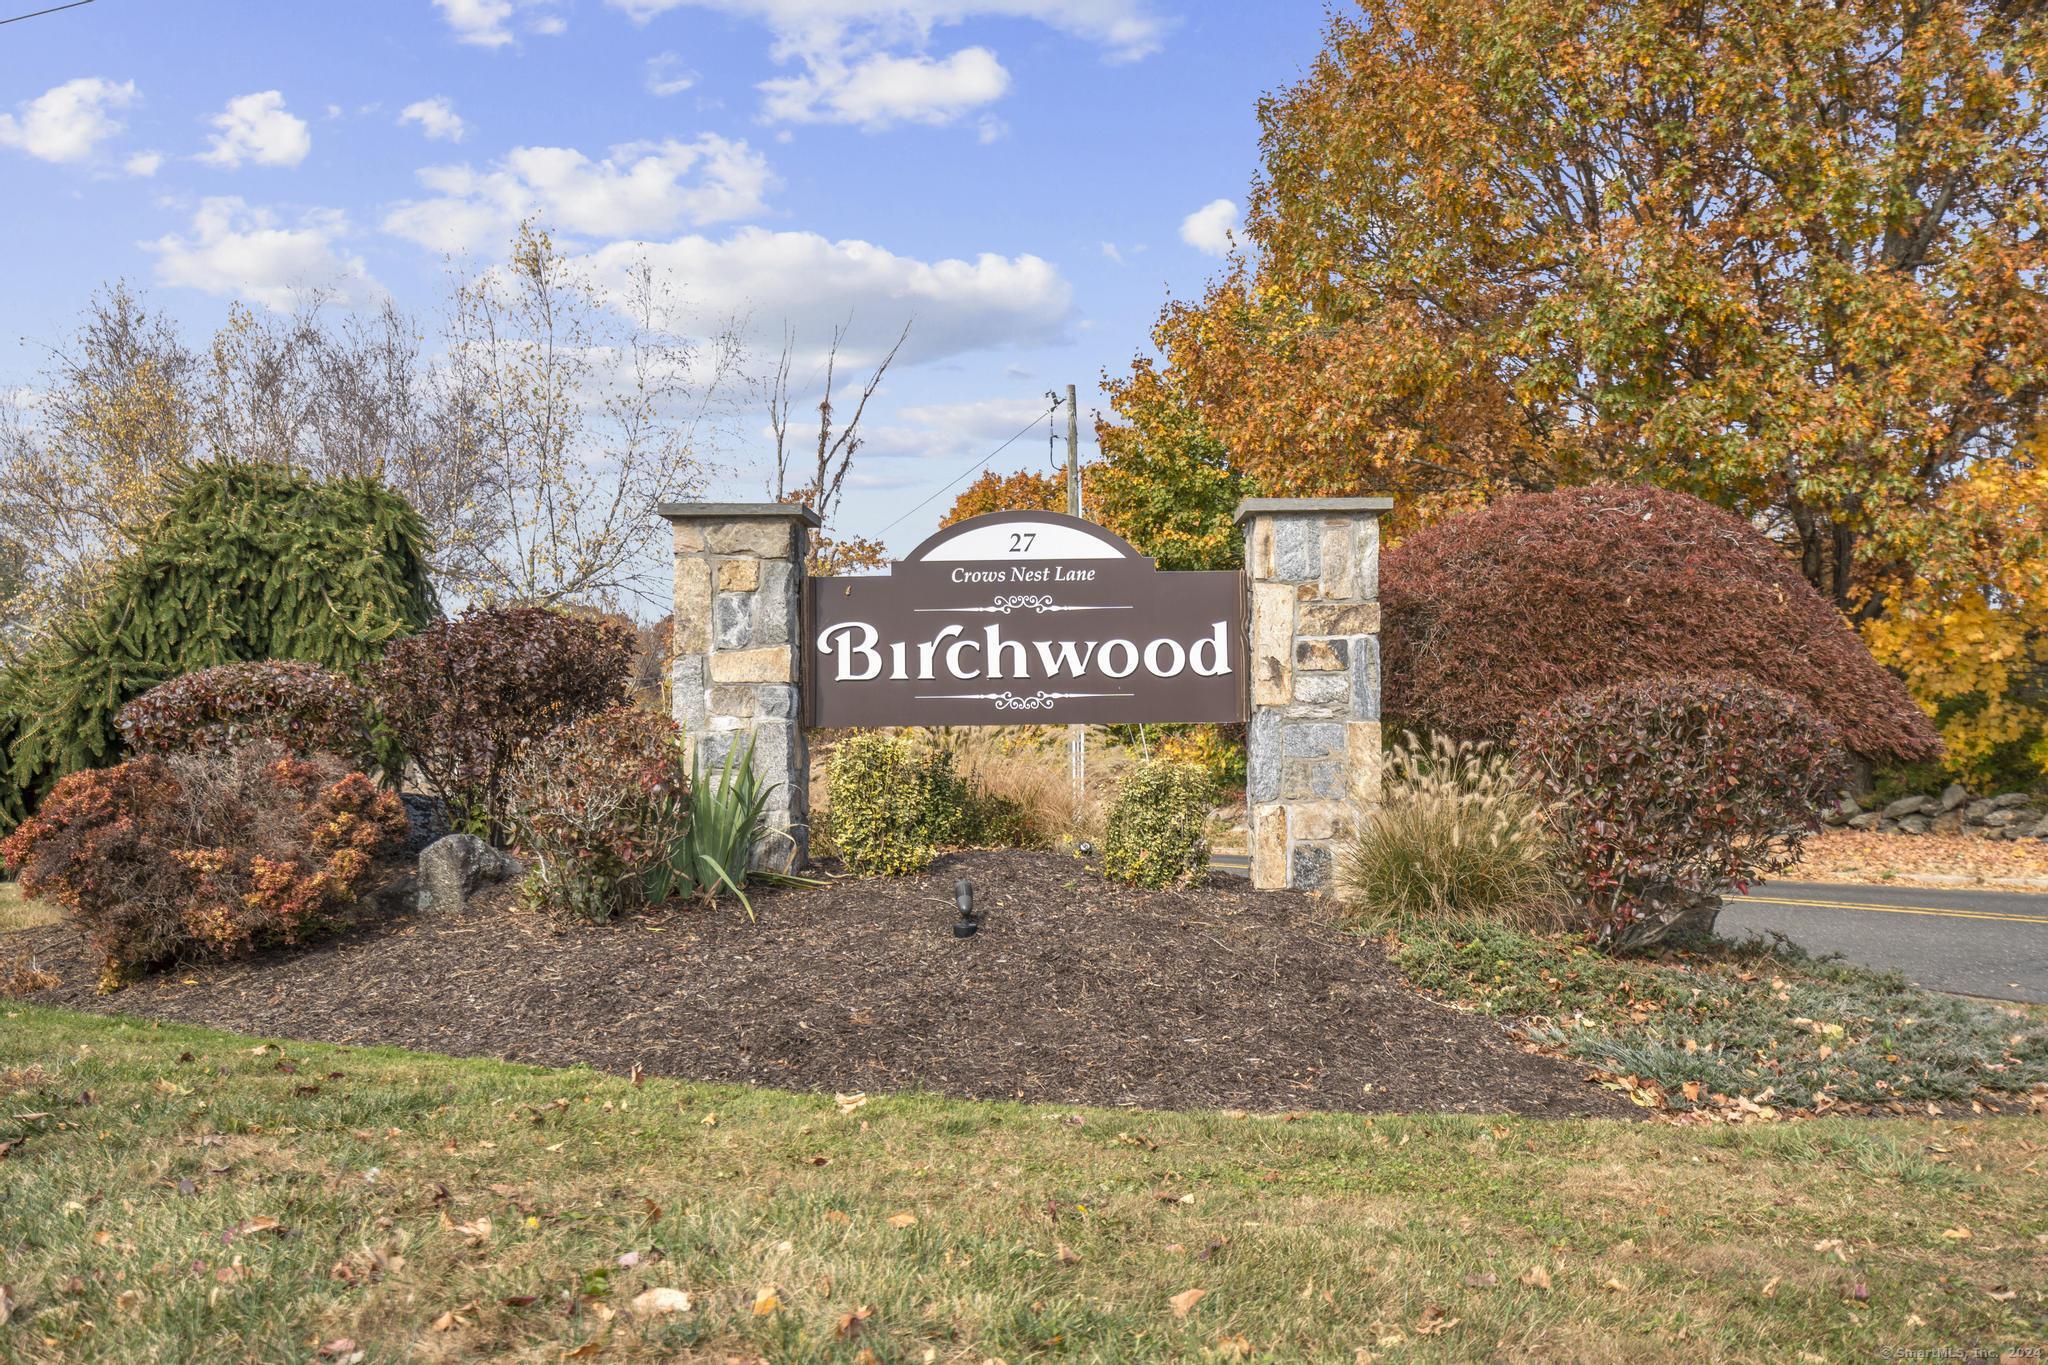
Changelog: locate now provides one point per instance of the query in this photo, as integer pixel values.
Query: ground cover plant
(1668, 792)
(1736, 1029)
(1494, 613)
(180, 1193)
(464, 696)
(204, 855)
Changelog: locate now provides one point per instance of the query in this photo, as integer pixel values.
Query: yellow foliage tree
(1969, 629)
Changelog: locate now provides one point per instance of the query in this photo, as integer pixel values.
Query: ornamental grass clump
(207, 855)
(1157, 831)
(1457, 835)
(1669, 792)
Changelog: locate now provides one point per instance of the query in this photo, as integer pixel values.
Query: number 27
(1020, 541)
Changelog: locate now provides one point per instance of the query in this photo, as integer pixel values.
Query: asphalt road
(1988, 943)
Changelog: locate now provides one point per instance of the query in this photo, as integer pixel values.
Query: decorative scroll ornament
(1036, 603)
(1011, 701)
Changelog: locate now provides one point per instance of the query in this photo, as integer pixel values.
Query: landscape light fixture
(963, 896)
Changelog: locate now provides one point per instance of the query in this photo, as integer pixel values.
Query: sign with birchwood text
(1024, 618)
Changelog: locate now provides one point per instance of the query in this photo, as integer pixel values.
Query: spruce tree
(249, 562)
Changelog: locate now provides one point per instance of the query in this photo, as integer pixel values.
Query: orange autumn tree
(1024, 491)
(1788, 258)
(1785, 257)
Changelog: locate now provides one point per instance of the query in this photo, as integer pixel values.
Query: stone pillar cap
(1252, 507)
(726, 511)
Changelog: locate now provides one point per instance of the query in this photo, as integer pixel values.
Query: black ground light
(963, 896)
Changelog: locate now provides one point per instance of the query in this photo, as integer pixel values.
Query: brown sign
(1024, 618)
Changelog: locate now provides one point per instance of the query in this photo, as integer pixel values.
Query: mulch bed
(1076, 991)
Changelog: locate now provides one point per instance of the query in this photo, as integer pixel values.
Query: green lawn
(176, 1193)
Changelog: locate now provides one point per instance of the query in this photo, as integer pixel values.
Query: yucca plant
(1457, 833)
(717, 825)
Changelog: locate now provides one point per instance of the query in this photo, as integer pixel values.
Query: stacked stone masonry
(739, 586)
(1313, 567)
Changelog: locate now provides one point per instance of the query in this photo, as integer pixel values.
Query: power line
(41, 12)
(976, 465)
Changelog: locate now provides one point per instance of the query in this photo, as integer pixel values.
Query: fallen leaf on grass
(767, 1303)
(1065, 1254)
(1957, 1234)
(664, 1300)
(1771, 1286)
(1185, 1301)
(848, 1103)
(849, 1325)
(476, 1233)
(1434, 1321)
(6, 1304)
(1536, 1277)
(1234, 1347)
(519, 1300)
(129, 1298)
(260, 1223)
(1481, 1281)
(838, 1217)
(1616, 1285)
(343, 1349)
(709, 1121)
(593, 1347)
(902, 1220)
(2002, 1294)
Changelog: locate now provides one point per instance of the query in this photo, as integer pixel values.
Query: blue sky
(1024, 180)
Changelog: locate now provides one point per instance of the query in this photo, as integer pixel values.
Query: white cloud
(879, 91)
(666, 76)
(235, 250)
(1110, 250)
(814, 284)
(640, 189)
(1125, 29)
(944, 431)
(67, 122)
(489, 23)
(1209, 227)
(143, 163)
(436, 117)
(865, 62)
(258, 128)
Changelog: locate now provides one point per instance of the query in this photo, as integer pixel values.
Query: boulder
(1949, 822)
(1953, 795)
(426, 819)
(2010, 800)
(1977, 810)
(2000, 819)
(1907, 805)
(1870, 819)
(454, 868)
(1914, 824)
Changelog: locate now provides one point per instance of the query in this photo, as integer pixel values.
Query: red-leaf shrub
(462, 697)
(1498, 612)
(1666, 792)
(594, 806)
(204, 855)
(305, 708)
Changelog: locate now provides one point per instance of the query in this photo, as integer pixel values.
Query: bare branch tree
(834, 452)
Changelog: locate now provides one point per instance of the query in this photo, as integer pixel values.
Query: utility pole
(1077, 736)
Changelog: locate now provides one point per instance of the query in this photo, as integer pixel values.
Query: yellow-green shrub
(1158, 826)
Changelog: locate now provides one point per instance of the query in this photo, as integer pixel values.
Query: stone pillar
(1313, 565)
(738, 636)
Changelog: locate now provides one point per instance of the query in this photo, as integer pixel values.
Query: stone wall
(1313, 569)
(739, 588)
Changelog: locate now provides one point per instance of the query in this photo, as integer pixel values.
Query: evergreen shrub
(249, 562)
(893, 806)
(1667, 792)
(464, 696)
(204, 855)
(1157, 831)
(299, 706)
(1494, 613)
